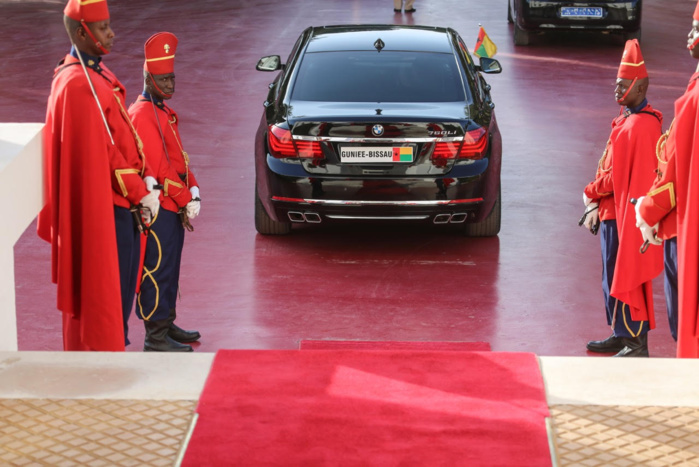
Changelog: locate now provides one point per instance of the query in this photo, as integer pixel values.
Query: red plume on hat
(632, 65)
(90, 11)
(160, 53)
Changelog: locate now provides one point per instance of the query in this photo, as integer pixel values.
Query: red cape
(78, 217)
(687, 192)
(633, 170)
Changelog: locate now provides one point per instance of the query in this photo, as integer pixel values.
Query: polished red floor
(534, 288)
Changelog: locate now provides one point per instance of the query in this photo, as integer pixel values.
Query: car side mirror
(270, 63)
(489, 65)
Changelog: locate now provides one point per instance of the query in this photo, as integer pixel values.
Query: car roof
(394, 38)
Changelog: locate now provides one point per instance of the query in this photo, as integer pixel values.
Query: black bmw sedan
(378, 123)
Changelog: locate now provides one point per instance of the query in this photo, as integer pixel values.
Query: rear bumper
(289, 195)
(543, 15)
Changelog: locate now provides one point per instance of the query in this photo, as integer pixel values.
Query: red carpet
(383, 408)
(308, 344)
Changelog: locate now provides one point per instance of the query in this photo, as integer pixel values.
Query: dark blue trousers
(670, 259)
(129, 250)
(161, 268)
(618, 312)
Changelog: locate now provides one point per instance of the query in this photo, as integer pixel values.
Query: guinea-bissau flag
(484, 46)
(402, 154)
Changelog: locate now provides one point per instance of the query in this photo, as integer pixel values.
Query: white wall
(21, 198)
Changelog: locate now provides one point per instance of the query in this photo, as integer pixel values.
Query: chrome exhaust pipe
(458, 218)
(312, 217)
(441, 218)
(295, 216)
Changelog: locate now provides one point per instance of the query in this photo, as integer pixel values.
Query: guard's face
(104, 35)
(622, 91)
(164, 85)
(693, 40)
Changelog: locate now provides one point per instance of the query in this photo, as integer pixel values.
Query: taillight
(475, 142)
(445, 151)
(282, 145)
(472, 147)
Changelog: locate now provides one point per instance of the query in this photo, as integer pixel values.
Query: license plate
(581, 12)
(373, 155)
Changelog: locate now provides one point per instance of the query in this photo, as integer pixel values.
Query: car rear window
(370, 76)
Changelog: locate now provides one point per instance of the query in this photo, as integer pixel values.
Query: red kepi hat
(160, 53)
(88, 11)
(696, 13)
(632, 65)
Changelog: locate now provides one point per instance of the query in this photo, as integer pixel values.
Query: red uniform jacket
(85, 175)
(626, 171)
(658, 207)
(686, 127)
(163, 147)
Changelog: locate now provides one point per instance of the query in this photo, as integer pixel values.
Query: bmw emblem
(377, 130)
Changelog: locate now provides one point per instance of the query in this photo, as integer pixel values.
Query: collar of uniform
(638, 108)
(155, 100)
(90, 61)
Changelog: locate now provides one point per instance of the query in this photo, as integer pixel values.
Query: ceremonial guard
(625, 171)
(97, 187)
(157, 123)
(673, 203)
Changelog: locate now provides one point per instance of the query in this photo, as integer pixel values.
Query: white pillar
(20, 173)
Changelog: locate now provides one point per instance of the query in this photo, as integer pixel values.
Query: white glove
(586, 200)
(150, 182)
(592, 215)
(150, 202)
(649, 234)
(194, 191)
(193, 208)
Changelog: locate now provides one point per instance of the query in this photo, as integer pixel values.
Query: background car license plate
(371, 155)
(581, 12)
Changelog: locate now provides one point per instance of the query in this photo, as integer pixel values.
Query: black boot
(179, 334)
(157, 339)
(634, 346)
(609, 345)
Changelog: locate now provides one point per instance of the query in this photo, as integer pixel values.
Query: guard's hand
(592, 216)
(586, 200)
(195, 192)
(650, 234)
(150, 202)
(145, 215)
(150, 182)
(193, 208)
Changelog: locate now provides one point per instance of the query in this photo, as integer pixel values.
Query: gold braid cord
(600, 164)
(660, 146)
(139, 143)
(185, 156)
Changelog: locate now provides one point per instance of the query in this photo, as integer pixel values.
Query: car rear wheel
(488, 227)
(521, 37)
(265, 224)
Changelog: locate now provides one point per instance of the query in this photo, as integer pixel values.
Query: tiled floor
(134, 432)
(61, 432)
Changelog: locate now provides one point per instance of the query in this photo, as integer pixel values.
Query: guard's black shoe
(166, 345)
(397, 10)
(157, 339)
(180, 335)
(634, 346)
(609, 345)
(412, 10)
